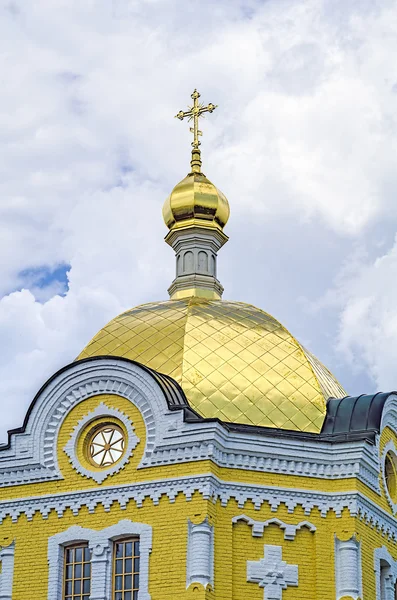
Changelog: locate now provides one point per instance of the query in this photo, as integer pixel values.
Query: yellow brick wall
(234, 545)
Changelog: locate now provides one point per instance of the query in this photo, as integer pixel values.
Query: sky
(303, 143)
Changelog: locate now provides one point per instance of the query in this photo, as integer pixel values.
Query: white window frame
(383, 561)
(101, 545)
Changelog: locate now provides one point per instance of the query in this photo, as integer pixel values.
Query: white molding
(386, 580)
(389, 414)
(258, 527)
(102, 410)
(348, 570)
(200, 554)
(211, 488)
(389, 447)
(32, 456)
(101, 546)
(254, 452)
(7, 554)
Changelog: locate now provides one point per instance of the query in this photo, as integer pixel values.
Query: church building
(195, 450)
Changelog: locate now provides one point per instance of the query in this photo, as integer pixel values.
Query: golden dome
(196, 198)
(234, 361)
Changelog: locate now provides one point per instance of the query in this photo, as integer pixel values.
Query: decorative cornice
(102, 410)
(212, 489)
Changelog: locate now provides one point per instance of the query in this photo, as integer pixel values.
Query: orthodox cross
(272, 574)
(193, 114)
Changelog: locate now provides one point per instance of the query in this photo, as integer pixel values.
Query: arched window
(77, 572)
(126, 559)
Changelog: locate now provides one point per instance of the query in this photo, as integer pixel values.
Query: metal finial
(193, 114)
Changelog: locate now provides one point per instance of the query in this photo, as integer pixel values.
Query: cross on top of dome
(193, 114)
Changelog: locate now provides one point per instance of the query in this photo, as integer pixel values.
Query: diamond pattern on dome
(233, 361)
(152, 334)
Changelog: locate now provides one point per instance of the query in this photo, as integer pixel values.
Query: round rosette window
(390, 472)
(106, 445)
(102, 443)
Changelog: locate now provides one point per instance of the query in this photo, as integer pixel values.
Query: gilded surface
(195, 111)
(195, 197)
(234, 361)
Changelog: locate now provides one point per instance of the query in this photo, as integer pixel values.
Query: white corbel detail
(101, 546)
(6, 571)
(200, 554)
(258, 527)
(385, 568)
(348, 573)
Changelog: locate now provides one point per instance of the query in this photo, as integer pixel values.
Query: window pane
(128, 565)
(119, 566)
(119, 583)
(136, 549)
(78, 554)
(68, 587)
(136, 565)
(119, 550)
(77, 587)
(86, 586)
(77, 571)
(128, 582)
(87, 570)
(128, 596)
(128, 549)
(136, 581)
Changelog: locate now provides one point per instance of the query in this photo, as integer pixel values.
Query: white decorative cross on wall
(272, 573)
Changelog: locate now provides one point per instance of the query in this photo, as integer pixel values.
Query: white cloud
(368, 331)
(304, 134)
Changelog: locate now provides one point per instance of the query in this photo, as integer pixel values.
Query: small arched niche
(202, 262)
(188, 262)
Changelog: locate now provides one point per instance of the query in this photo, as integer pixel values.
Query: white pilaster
(348, 568)
(7, 571)
(200, 554)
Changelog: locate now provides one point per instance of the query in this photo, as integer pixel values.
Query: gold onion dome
(196, 199)
(234, 362)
